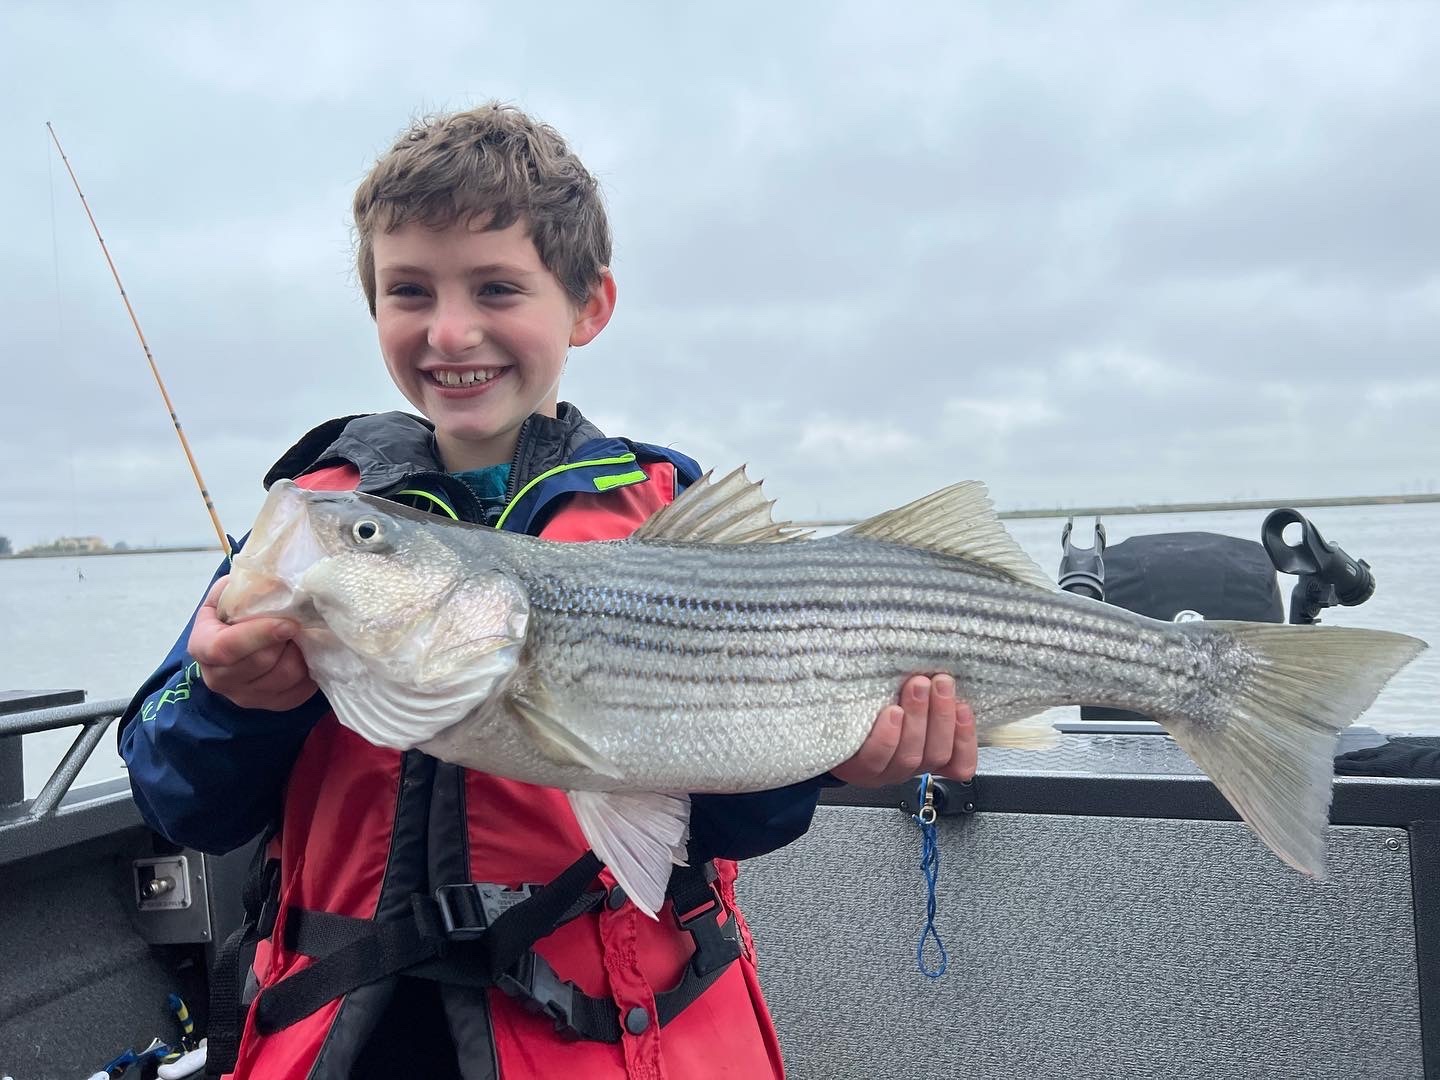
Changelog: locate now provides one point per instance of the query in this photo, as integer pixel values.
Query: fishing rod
(154, 370)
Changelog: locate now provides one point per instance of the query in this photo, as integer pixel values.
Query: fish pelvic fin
(1022, 733)
(553, 737)
(1267, 737)
(639, 835)
(728, 511)
(958, 520)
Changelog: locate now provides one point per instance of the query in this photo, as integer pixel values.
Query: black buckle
(467, 910)
(461, 913)
(534, 982)
(715, 945)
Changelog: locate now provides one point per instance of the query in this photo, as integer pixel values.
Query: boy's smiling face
(475, 330)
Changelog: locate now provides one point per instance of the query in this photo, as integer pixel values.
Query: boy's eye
(404, 289)
(498, 288)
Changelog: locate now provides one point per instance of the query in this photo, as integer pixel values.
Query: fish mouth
(266, 576)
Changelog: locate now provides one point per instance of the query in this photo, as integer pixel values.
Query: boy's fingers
(207, 621)
(965, 752)
(212, 598)
(940, 728)
(293, 698)
(910, 750)
(290, 669)
(226, 646)
(873, 757)
(251, 669)
(289, 696)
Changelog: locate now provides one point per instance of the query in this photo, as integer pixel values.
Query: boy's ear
(592, 315)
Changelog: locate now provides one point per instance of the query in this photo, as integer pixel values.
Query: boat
(1101, 910)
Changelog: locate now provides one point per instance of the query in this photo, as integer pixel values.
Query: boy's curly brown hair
(492, 162)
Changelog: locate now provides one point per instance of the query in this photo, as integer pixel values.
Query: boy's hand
(255, 664)
(929, 731)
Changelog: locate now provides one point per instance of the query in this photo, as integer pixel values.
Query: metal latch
(162, 884)
(943, 798)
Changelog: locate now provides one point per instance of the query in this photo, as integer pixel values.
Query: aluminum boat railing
(62, 812)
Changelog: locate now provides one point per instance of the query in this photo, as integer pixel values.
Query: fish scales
(845, 620)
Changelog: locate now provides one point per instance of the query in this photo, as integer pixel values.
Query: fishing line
(59, 321)
(154, 370)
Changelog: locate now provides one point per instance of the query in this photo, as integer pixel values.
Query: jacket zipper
(512, 482)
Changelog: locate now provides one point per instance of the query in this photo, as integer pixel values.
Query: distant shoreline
(124, 551)
(1049, 512)
(1181, 508)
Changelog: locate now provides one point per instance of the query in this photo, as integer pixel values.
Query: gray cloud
(1101, 251)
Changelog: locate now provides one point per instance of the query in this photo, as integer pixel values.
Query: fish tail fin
(1267, 735)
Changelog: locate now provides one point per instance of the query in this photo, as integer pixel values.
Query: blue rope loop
(930, 871)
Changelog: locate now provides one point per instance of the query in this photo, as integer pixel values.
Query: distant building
(69, 545)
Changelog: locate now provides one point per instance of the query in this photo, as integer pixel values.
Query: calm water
(105, 634)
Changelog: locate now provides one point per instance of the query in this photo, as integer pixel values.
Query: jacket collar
(387, 448)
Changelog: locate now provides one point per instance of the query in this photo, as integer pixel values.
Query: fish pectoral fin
(541, 719)
(728, 511)
(960, 521)
(639, 835)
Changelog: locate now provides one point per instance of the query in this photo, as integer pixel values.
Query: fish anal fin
(958, 520)
(728, 511)
(639, 835)
(553, 737)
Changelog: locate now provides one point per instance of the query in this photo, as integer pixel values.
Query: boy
(483, 252)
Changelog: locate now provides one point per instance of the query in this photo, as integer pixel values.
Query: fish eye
(365, 531)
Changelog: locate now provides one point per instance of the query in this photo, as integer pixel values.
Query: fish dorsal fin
(958, 520)
(728, 511)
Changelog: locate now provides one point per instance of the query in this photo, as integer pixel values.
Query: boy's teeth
(462, 378)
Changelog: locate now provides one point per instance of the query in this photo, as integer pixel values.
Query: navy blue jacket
(211, 775)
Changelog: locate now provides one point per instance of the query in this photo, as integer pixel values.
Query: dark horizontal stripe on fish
(828, 652)
(1040, 624)
(716, 582)
(641, 559)
(874, 652)
(714, 577)
(641, 693)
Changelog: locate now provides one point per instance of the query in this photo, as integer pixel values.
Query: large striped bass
(716, 651)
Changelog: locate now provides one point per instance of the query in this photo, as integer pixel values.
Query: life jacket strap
(260, 898)
(531, 980)
(472, 935)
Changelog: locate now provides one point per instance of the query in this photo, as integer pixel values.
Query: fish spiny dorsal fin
(729, 511)
(957, 520)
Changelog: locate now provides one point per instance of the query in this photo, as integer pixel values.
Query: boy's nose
(455, 330)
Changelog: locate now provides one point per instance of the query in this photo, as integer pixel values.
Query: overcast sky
(1084, 252)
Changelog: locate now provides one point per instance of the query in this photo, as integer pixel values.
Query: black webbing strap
(353, 952)
(386, 949)
(227, 1011)
(454, 939)
(535, 984)
(518, 929)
